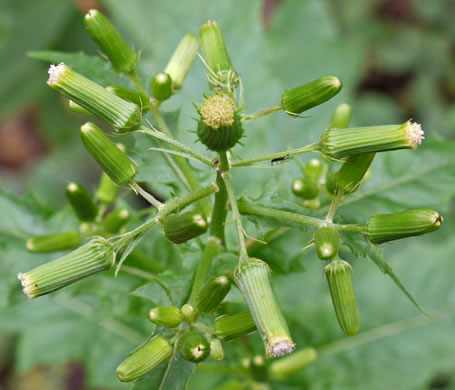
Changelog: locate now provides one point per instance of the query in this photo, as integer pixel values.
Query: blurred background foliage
(396, 59)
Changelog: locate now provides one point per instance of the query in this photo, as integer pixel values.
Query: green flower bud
(313, 169)
(81, 202)
(107, 190)
(131, 95)
(168, 316)
(415, 222)
(341, 117)
(95, 256)
(353, 170)
(180, 63)
(54, 242)
(330, 183)
(77, 108)
(122, 115)
(219, 127)
(156, 351)
(112, 160)
(213, 294)
(305, 188)
(161, 86)
(231, 326)
(338, 143)
(283, 368)
(194, 346)
(180, 228)
(216, 349)
(187, 312)
(312, 204)
(297, 100)
(101, 30)
(338, 274)
(114, 221)
(327, 242)
(252, 278)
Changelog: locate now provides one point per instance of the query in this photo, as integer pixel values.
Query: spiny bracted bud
(180, 63)
(115, 220)
(338, 143)
(213, 294)
(187, 312)
(77, 108)
(131, 95)
(194, 346)
(252, 278)
(338, 274)
(283, 368)
(327, 242)
(156, 351)
(313, 169)
(54, 242)
(81, 202)
(101, 30)
(341, 116)
(168, 316)
(231, 326)
(112, 160)
(180, 228)
(352, 172)
(297, 100)
(216, 349)
(161, 86)
(107, 190)
(415, 222)
(305, 188)
(122, 115)
(95, 256)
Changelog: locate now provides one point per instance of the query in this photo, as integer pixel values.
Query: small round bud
(180, 63)
(168, 316)
(231, 326)
(216, 349)
(194, 346)
(131, 95)
(54, 242)
(305, 188)
(313, 169)
(327, 242)
(183, 227)
(81, 202)
(213, 294)
(114, 221)
(161, 86)
(187, 312)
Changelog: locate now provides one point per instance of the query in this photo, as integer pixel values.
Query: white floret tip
(282, 348)
(415, 134)
(55, 72)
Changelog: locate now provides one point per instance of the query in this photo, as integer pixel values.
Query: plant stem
(334, 205)
(148, 197)
(262, 113)
(135, 79)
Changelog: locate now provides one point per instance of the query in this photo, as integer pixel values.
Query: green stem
(262, 113)
(148, 197)
(335, 203)
(135, 79)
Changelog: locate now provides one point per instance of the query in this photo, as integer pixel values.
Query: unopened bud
(341, 117)
(216, 349)
(305, 188)
(161, 86)
(107, 190)
(180, 63)
(194, 346)
(115, 220)
(213, 294)
(131, 95)
(231, 326)
(54, 242)
(289, 365)
(327, 242)
(313, 169)
(168, 316)
(352, 172)
(81, 202)
(180, 228)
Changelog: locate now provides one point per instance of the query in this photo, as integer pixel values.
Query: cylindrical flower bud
(107, 190)
(313, 169)
(54, 242)
(252, 278)
(341, 116)
(131, 95)
(213, 294)
(353, 170)
(194, 346)
(415, 222)
(77, 108)
(327, 242)
(305, 188)
(81, 202)
(95, 256)
(161, 86)
(219, 127)
(216, 349)
(122, 115)
(180, 228)
(114, 221)
(168, 316)
(330, 183)
(297, 100)
(112, 160)
(121, 55)
(231, 326)
(187, 312)
(338, 143)
(283, 368)
(156, 351)
(338, 274)
(180, 63)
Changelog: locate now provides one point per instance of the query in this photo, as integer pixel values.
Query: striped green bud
(131, 95)
(187, 312)
(180, 228)
(231, 326)
(415, 222)
(115, 220)
(338, 274)
(161, 86)
(54, 242)
(352, 172)
(338, 143)
(219, 127)
(180, 63)
(194, 346)
(289, 365)
(305, 188)
(252, 278)
(216, 349)
(77, 108)
(341, 116)
(330, 183)
(327, 242)
(168, 316)
(213, 294)
(112, 160)
(95, 256)
(122, 115)
(313, 169)
(155, 352)
(81, 202)
(107, 190)
(101, 30)
(297, 100)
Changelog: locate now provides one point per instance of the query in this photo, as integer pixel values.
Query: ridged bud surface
(352, 172)
(131, 95)
(54, 242)
(168, 316)
(213, 294)
(81, 202)
(180, 63)
(216, 349)
(183, 227)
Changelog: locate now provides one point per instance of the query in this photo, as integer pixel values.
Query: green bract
(352, 172)
(194, 346)
(231, 326)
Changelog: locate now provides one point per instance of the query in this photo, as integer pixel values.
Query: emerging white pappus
(55, 73)
(415, 134)
(282, 348)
